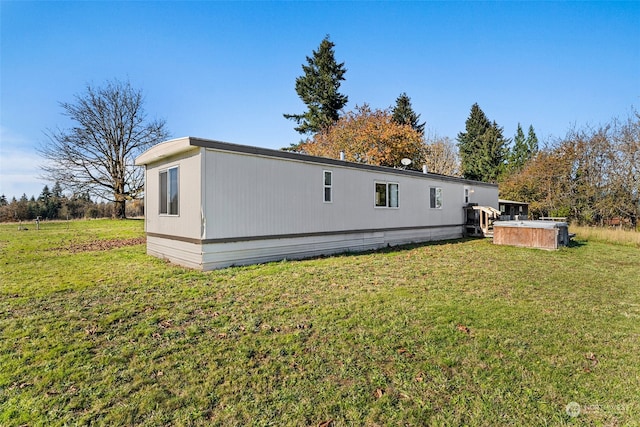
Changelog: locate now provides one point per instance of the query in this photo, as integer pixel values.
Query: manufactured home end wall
(187, 223)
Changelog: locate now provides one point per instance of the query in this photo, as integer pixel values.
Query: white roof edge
(164, 149)
(512, 201)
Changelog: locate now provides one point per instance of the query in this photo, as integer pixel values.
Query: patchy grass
(453, 333)
(608, 235)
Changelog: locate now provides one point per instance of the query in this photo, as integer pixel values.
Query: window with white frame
(169, 191)
(328, 186)
(467, 195)
(386, 194)
(435, 198)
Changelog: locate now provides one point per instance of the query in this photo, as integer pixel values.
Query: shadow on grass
(576, 243)
(410, 246)
(391, 249)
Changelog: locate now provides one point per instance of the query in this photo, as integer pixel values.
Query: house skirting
(211, 254)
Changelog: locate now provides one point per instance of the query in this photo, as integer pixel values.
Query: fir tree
(403, 114)
(532, 142)
(45, 196)
(318, 89)
(56, 191)
(519, 154)
(524, 149)
(482, 147)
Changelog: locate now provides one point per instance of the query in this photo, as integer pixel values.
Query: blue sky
(227, 70)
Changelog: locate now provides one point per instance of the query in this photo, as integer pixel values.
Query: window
(169, 191)
(327, 182)
(386, 195)
(435, 198)
(466, 195)
(393, 195)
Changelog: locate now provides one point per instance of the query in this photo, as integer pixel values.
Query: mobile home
(211, 204)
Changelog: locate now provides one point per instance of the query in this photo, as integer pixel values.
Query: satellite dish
(406, 162)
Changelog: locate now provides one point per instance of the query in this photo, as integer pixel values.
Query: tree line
(52, 204)
(590, 175)
(385, 137)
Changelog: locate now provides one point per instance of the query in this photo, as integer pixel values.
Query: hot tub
(531, 234)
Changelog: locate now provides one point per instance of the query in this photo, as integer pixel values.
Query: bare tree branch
(97, 155)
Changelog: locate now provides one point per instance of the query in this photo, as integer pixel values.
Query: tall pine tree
(403, 114)
(532, 142)
(519, 154)
(482, 147)
(318, 89)
(524, 148)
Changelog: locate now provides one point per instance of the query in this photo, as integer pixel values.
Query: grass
(453, 333)
(609, 235)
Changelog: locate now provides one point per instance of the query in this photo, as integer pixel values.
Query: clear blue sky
(227, 70)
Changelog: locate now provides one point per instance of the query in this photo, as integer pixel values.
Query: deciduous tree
(369, 136)
(591, 175)
(441, 156)
(625, 173)
(97, 154)
(544, 182)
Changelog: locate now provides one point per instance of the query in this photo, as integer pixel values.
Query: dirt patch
(104, 245)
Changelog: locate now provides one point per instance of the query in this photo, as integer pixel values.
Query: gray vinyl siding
(248, 195)
(188, 221)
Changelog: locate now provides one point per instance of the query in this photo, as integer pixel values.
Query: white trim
(325, 186)
(168, 189)
(387, 194)
(438, 190)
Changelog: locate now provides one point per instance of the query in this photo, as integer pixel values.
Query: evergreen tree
(532, 142)
(318, 89)
(482, 147)
(45, 195)
(56, 191)
(403, 114)
(524, 148)
(519, 154)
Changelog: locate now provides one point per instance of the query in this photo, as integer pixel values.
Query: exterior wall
(188, 221)
(242, 205)
(250, 196)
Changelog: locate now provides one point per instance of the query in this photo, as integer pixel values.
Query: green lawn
(93, 331)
